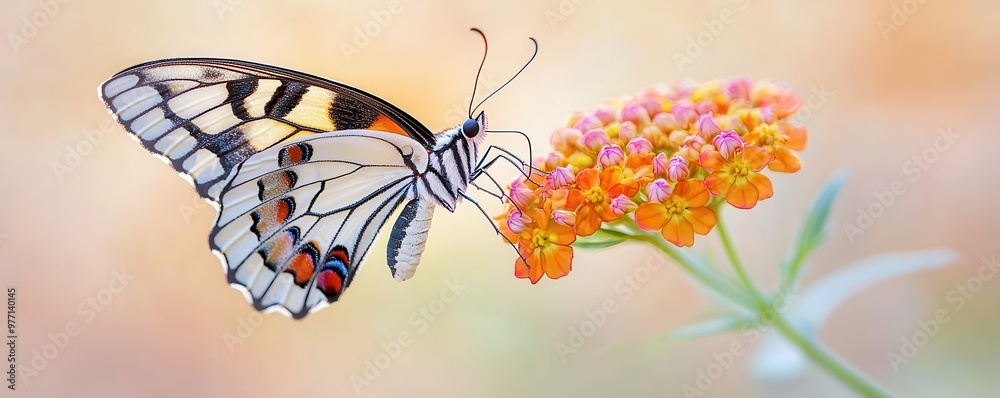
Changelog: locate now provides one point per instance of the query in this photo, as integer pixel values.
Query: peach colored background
(163, 335)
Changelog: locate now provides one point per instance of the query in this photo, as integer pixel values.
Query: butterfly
(302, 170)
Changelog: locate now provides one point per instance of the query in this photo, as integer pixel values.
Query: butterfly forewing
(296, 220)
(206, 116)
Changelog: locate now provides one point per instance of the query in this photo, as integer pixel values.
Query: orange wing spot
(383, 123)
(302, 267)
(294, 154)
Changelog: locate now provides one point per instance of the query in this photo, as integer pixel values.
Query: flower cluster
(662, 159)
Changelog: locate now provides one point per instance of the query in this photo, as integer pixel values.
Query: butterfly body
(304, 171)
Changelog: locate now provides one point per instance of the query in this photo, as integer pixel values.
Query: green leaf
(601, 238)
(814, 230)
(594, 244)
(778, 359)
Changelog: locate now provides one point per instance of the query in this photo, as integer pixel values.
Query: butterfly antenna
(512, 77)
(475, 86)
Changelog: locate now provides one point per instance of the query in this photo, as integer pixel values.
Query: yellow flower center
(770, 136)
(737, 168)
(675, 207)
(541, 238)
(595, 194)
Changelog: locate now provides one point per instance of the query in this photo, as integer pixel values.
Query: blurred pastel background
(177, 330)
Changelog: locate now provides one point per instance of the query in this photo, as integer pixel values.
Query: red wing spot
(383, 123)
(340, 253)
(294, 154)
(330, 282)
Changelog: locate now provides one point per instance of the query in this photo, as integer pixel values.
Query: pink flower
(677, 169)
(565, 139)
(611, 155)
(558, 178)
(728, 143)
(554, 159)
(706, 126)
(517, 222)
(622, 204)
(660, 164)
(605, 115)
(651, 105)
(627, 131)
(740, 88)
(666, 122)
(588, 123)
(595, 139)
(520, 192)
(694, 141)
(639, 146)
(658, 190)
(684, 113)
(635, 114)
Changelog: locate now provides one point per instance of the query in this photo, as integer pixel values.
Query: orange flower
(546, 247)
(738, 178)
(598, 189)
(779, 143)
(680, 215)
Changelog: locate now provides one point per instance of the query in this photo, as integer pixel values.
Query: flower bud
(677, 169)
(558, 178)
(610, 155)
(660, 164)
(517, 222)
(690, 154)
(587, 123)
(520, 192)
(553, 160)
(623, 204)
(651, 105)
(706, 126)
(595, 139)
(728, 143)
(653, 134)
(677, 137)
(639, 146)
(705, 106)
(565, 138)
(658, 191)
(636, 114)
(684, 113)
(627, 131)
(694, 141)
(605, 114)
(740, 88)
(666, 122)
(564, 217)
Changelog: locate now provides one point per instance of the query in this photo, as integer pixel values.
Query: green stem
(825, 359)
(716, 283)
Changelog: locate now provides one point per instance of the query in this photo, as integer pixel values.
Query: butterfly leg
(495, 228)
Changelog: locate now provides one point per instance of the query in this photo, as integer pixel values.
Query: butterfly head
(472, 127)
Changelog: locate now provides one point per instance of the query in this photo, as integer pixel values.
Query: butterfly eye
(470, 128)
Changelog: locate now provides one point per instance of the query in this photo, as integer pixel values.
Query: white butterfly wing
(296, 220)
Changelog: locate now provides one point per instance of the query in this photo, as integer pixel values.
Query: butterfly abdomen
(408, 237)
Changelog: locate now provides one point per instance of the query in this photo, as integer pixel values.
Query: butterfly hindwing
(207, 116)
(296, 220)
